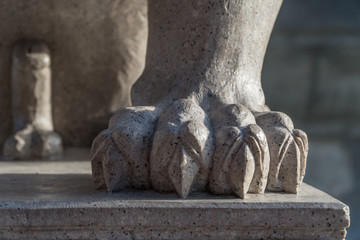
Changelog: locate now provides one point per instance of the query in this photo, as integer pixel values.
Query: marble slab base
(56, 200)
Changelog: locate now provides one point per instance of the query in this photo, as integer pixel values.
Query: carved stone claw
(233, 163)
(182, 148)
(116, 169)
(98, 151)
(120, 154)
(256, 139)
(302, 142)
(288, 151)
(183, 168)
(241, 161)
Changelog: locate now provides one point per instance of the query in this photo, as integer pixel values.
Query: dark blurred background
(312, 73)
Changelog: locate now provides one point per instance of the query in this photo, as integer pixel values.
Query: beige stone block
(50, 200)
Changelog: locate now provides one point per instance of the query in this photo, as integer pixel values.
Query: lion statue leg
(206, 126)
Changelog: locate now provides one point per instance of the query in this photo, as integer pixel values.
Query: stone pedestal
(56, 200)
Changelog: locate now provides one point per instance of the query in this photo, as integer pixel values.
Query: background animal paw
(32, 143)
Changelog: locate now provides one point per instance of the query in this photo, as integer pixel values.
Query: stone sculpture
(206, 126)
(34, 135)
(97, 53)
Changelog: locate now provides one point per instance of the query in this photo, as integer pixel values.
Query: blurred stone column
(34, 135)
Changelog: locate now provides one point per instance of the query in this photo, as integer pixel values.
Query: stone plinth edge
(311, 214)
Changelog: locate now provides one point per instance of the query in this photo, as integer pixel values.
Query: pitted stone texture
(241, 160)
(202, 77)
(128, 142)
(207, 49)
(34, 135)
(182, 148)
(288, 151)
(97, 50)
(55, 199)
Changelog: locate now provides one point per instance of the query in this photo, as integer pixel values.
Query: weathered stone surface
(97, 52)
(48, 200)
(233, 146)
(34, 135)
(288, 151)
(180, 159)
(209, 124)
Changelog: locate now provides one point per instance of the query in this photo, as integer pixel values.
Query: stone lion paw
(119, 154)
(288, 149)
(181, 149)
(241, 159)
(181, 154)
